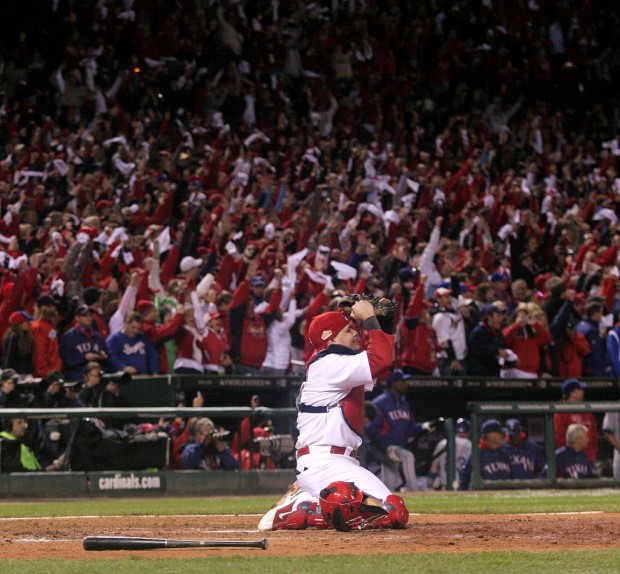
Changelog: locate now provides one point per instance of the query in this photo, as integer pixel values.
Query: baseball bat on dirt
(138, 543)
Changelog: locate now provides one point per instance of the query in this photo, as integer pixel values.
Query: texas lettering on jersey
(523, 461)
(399, 415)
(577, 470)
(87, 348)
(495, 467)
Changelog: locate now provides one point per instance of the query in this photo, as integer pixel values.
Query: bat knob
(263, 544)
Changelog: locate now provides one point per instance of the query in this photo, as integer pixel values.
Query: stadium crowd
(184, 186)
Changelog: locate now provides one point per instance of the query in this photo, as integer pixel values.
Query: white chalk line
(31, 539)
(97, 517)
(45, 540)
(94, 516)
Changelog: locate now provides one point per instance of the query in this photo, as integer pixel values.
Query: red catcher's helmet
(341, 504)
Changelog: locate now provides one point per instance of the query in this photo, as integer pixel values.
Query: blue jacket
(526, 459)
(138, 352)
(194, 456)
(593, 364)
(494, 465)
(394, 423)
(613, 350)
(572, 464)
(74, 344)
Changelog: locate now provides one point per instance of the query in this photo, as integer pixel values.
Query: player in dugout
(333, 490)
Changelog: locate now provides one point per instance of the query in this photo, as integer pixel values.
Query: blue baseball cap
(408, 274)
(513, 427)
(570, 385)
(492, 425)
(46, 299)
(397, 375)
(497, 276)
(462, 425)
(257, 280)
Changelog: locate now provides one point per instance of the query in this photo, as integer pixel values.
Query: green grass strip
(505, 502)
(578, 562)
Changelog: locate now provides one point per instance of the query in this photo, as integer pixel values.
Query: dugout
(480, 411)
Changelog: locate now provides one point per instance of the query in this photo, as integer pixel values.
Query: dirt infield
(62, 537)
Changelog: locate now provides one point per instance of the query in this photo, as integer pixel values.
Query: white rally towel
(256, 135)
(371, 208)
(164, 240)
(344, 271)
(293, 261)
(606, 213)
(319, 277)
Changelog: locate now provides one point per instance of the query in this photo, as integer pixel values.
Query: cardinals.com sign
(124, 482)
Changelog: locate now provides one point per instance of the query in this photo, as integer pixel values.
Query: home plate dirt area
(31, 538)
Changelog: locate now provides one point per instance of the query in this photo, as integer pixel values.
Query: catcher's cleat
(291, 491)
(293, 512)
(287, 518)
(276, 518)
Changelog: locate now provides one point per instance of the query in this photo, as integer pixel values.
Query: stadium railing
(483, 410)
(154, 397)
(281, 391)
(151, 481)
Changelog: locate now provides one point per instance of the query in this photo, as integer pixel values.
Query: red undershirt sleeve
(380, 353)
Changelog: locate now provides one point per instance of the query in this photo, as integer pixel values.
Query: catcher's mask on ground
(341, 504)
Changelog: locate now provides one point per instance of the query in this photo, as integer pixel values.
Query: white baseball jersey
(330, 379)
(449, 326)
(463, 452)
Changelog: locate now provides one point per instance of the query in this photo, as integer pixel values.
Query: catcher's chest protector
(353, 410)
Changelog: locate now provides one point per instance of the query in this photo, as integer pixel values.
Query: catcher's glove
(385, 309)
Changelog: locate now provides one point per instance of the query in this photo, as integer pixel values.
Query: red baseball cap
(580, 298)
(325, 327)
(6, 289)
(104, 204)
(144, 306)
(18, 317)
